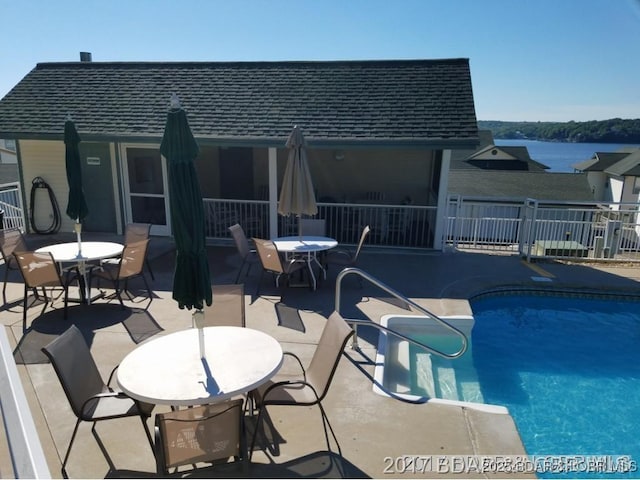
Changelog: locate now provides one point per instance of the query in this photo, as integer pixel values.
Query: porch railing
(391, 225)
(11, 205)
(545, 229)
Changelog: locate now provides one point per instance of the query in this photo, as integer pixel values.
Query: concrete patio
(374, 431)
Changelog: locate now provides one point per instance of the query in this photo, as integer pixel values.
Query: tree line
(615, 130)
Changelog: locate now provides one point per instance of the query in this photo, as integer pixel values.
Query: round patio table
(169, 370)
(308, 247)
(91, 251)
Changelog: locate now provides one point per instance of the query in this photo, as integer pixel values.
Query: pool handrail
(355, 322)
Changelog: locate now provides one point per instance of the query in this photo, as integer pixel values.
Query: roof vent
(85, 56)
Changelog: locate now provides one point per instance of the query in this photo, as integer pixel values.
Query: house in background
(377, 132)
(509, 173)
(613, 176)
(492, 188)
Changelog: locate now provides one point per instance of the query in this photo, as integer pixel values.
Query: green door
(97, 181)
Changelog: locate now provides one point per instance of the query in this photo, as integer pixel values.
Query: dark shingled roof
(599, 162)
(465, 158)
(376, 102)
(572, 187)
(628, 166)
(621, 163)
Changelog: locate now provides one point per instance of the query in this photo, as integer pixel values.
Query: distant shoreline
(616, 130)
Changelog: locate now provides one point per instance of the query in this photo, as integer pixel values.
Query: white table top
(305, 243)
(68, 252)
(168, 370)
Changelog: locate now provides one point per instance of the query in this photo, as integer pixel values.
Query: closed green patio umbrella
(77, 205)
(191, 278)
(297, 195)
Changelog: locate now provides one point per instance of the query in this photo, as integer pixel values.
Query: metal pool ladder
(355, 322)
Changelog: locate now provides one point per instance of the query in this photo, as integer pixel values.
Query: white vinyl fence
(11, 206)
(544, 229)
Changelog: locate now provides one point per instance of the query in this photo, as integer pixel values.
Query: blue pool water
(567, 369)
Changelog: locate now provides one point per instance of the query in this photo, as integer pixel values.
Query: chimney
(85, 56)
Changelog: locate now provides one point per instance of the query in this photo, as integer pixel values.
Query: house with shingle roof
(613, 176)
(488, 156)
(386, 126)
(508, 172)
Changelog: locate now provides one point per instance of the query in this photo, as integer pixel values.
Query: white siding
(43, 158)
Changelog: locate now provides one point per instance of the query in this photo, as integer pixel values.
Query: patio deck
(373, 430)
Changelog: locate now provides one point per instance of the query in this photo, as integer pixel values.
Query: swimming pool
(567, 370)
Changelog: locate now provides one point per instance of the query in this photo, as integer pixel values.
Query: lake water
(559, 156)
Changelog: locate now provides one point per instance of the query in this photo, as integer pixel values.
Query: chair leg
(143, 419)
(66, 456)
(148, 264)
(6, 277)
(146, 284)
(325, 420)
(259, 283)
(240, 270)
(24, 309)
(66, 300)
(255, 431)
(118, 294)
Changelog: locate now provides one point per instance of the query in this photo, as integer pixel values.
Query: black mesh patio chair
(90, 398)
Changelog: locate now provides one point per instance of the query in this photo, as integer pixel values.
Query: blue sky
(535, 60)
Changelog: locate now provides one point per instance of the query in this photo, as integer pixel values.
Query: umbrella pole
(78, 229)
(198, 322)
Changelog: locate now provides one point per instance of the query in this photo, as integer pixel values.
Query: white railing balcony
(391, 225)
(545, 229)
(11, 206)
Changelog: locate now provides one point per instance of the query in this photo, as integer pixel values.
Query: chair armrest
(290, 354)
(113, 393)
(70, 274)
(111, 376)
(338, 252)
(287, 383)
(98, 396)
